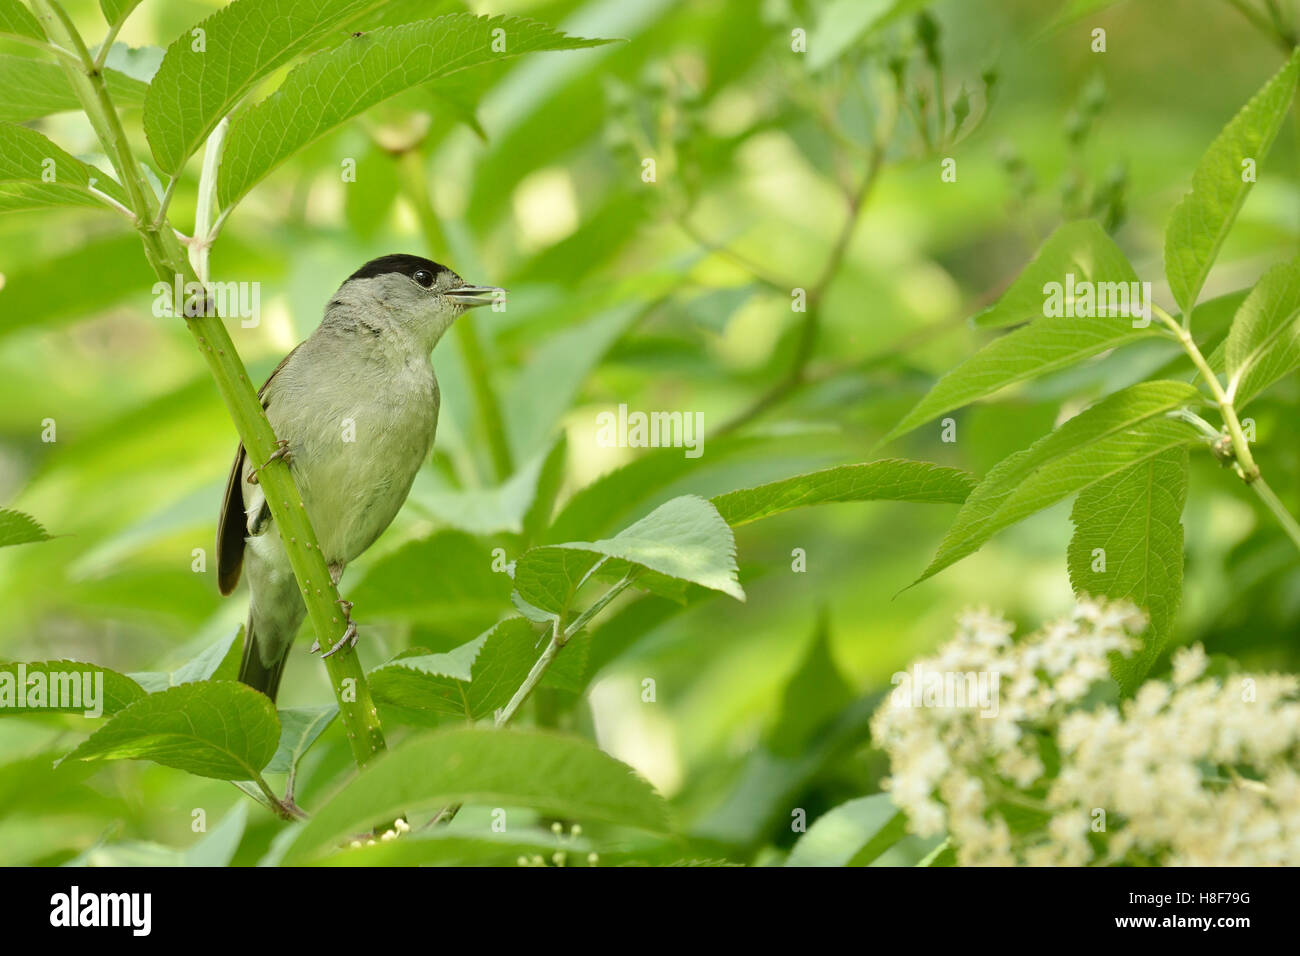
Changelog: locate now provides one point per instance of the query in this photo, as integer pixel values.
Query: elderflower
(1190, 771)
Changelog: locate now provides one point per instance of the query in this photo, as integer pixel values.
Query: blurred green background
(614, 301)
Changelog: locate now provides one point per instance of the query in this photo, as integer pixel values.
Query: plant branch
(811, 327)
(1196, 421)
(1246, 468)
(57, 52)
(168, 260)
(1275, 505)
(107, 44)
(756, 272)
(559, 638)
(561, 634)
(112, 203)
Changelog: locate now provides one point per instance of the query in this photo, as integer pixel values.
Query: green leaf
(853, 834)
(767, 786)
(502, 508)
(28, 158)
(467, 592)
(137, 62)
(815, 695)
(33, 88)
(1044, 346)
(843, 24)
(1076, 10)
(221, 729)
(471, 681)
(368, 200)
(1264, 341)
(942, 855)
(17, 20)
(21, 197)
(546, 489)
(57, 684)
(109, 271)
(684, 540)
(1120, 431)
(116, 11)
(1134, 518)
(1201, 221)
(891, 479)
(218, 661)
(299, 728)
(440, 847)
(563, 776)
(1079, 248)
(335, 85)
(611, 501)
(18, 528)
(550, 381)
(713, 309)
(217, 847)
(243, 43)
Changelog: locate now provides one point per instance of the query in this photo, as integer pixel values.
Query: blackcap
(354, 407)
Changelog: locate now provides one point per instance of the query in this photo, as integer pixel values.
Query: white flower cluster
(1191, 771)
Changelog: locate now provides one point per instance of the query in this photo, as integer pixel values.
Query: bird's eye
(424, 277)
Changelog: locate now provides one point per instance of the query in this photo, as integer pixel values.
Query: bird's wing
(232, 523)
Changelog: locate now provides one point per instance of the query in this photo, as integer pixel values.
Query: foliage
(744, 218)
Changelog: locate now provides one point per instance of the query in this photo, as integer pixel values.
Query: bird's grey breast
(360, 421)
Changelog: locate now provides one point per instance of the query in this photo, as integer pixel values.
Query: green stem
(282, 808)
(811, 327)
(113, 30)
(1197, 422)
(561, 634)
(558, 639)
(1274, 504)
(491, 421)
(1246, 467)
(168, 261)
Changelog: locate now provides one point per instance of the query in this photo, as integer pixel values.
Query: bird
(354, 408)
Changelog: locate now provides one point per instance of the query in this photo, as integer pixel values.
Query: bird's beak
(471, 296)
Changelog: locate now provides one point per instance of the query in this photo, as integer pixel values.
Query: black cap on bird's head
(429, 274)
(400, 263)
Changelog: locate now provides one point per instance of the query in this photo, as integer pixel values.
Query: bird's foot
(281, 452)
(349, 635)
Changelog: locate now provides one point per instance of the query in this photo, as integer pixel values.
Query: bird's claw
(281, 452)
(349, 635)
(349, 639)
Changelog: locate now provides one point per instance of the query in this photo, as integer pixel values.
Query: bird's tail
(255, 672)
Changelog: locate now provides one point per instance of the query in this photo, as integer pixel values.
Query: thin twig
(1280, 512)
(811, 326)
